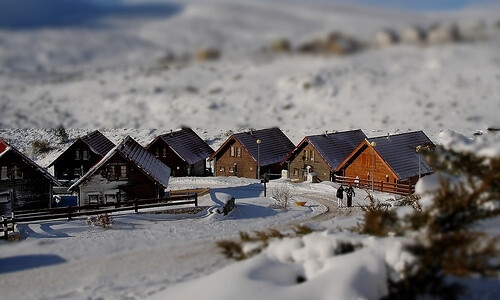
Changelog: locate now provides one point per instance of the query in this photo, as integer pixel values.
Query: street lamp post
(258, 158)
(418, 154)
(373, 164)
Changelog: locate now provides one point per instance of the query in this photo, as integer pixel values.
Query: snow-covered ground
(144, 253)
(133, 71)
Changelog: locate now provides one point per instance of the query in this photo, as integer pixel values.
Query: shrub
(102, 220)
(258, 241)
(379, 219)
(40, 146)
(445, 244)
(282, 195)
(62, 134)
(206, 54)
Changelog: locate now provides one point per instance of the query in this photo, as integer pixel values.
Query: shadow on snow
(24, 262)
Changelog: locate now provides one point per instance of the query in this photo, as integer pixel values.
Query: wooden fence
(388, 187)
(200, 192)
(87, 210)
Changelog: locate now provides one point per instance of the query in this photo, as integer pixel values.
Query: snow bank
(309, 267)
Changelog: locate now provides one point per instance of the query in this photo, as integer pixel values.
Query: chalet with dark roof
(127, 172)
(183, 151)
(321, 154)
(24, 185)
(245, 154)
(85, 152)
(391, 159)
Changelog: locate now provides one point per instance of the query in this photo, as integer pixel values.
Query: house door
(6, 203)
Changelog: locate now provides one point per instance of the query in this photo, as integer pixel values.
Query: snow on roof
(135, 154)
(6, 148)
(187, 144)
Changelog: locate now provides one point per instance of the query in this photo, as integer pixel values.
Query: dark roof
(399, 151)
(135, 154)
(274, 145)
(336, 146)
(187, 144)
(98, 143)
(6, 148)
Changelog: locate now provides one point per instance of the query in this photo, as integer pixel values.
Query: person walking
(349, 192)
(340, 196)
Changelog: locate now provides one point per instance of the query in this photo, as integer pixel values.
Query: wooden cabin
(389, 163)
(127, 172)
(321, 154)
(85, 152)
(246, 154)
(183, 151)
(24, 185)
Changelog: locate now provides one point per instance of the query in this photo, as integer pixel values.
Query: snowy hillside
(140, 71)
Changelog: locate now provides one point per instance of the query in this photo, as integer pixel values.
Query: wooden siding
(360, 166)
(311, 157)
(177, 165)
(135, 186)
(245, 165)
(32, 191)
(68, 167)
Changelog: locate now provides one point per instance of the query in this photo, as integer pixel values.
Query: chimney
(326, 133)
(388, 135)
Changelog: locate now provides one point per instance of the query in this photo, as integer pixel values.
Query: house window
(4, 197)
(238, 152)
(123, 171)
(231, 169)
(231, 151)
(110, 198)
(222, 169)
(306, 155)
(85, 154)
(76, 172)
(157, 152)
(77, 154)
(164, 152)
(312, 155)
(4, 173)
(18, 174)
(386, 178)
(295, 172)
(93, 198)
(111, 172)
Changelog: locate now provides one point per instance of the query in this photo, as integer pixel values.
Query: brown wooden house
(85, 152)
(243, 153)
(183, 151)
(24, 185)
(389, 162)
(127, 172)
(321, 154)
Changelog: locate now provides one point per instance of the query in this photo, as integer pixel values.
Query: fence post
(4, 227)
(136, 206)
(196, 199)
(69, 212)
